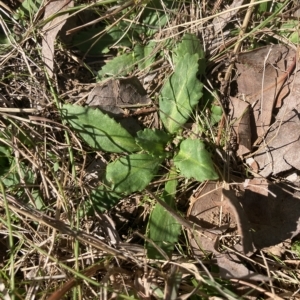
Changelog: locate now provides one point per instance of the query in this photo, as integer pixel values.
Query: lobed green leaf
(153, 141)
(190, 44)
(180, 94)
(145, 55)
(194, 161)
(98, 130)
(119, 66)
(131, 173)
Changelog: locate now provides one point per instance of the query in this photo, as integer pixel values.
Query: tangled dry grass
(53, 245)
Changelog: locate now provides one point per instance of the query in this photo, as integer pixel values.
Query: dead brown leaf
(261, 215)
(221, 20)
(280, 150)
(212, 211)
(240, 114)
(51, 30)
(261, 74)
(115, 94)
(273, 211)
(261, 77)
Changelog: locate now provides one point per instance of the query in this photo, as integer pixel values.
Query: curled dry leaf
(262, 215)
(220, 215)
(52, 28)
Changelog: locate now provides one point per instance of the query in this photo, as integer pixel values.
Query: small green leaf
(163, 228)
(211, 112)
(131, 173)
(56, 166)
(190, 43)
(180, 94)
(153, 17)
(5, 43)
(216, 114)
(12, 174)
(38, 200)
(288, 30)
(14, 180)
(89, 40)
(29, 7)
(119, 66)
(145, 55)
(5, 155)
(11, 179)
(296, 248)
(103, 199)
(264, 7)
(153, 141)
(98, 130)
(193, 160)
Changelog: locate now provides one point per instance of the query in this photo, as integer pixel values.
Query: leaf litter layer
(108, 186)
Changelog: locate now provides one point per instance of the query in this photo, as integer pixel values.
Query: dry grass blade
(69, 226)
(272, 296)
(74, 281)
